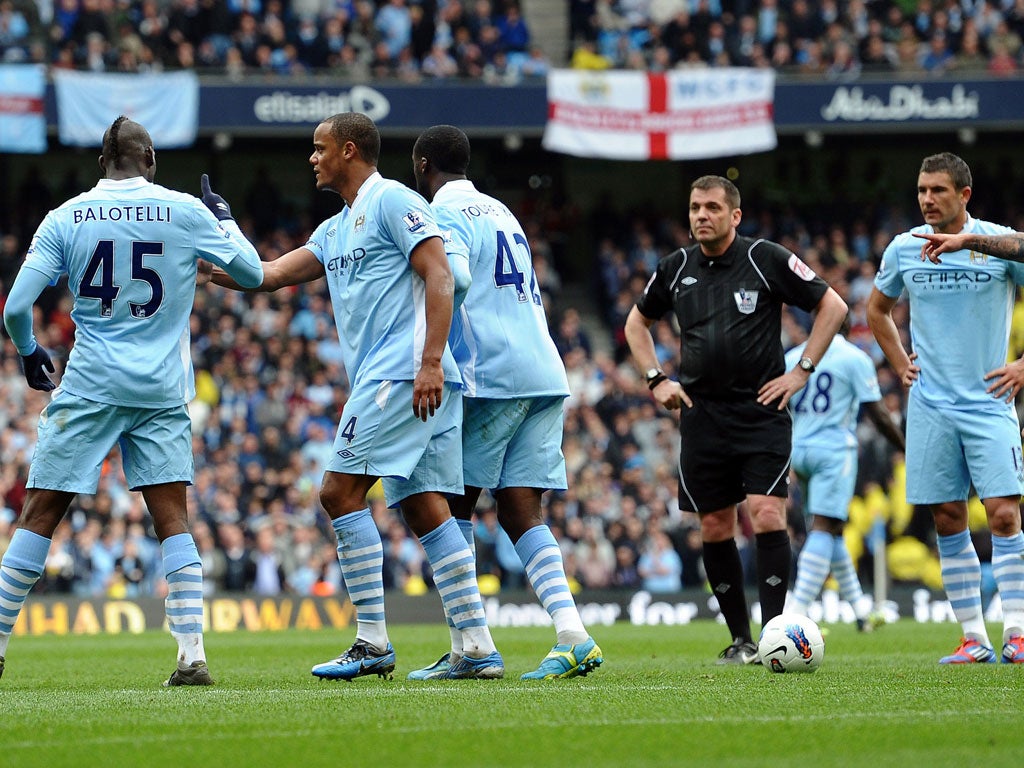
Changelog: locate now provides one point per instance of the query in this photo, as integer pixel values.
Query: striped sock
(455, 578)
(542, 559)
(361, 555)
(184, 602)
(20, 569)
(961, 576)
(1008, 571)
(466, 526)
(850, 589)
(811, 570)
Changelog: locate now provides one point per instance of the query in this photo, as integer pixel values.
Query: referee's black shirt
(730, 313)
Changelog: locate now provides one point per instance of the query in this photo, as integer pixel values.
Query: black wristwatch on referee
(654, 377)
(806, 364)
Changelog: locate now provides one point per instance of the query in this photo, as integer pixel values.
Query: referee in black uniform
(727, 292)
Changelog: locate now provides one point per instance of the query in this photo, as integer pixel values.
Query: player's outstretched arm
(294, 268)
(1009, 246)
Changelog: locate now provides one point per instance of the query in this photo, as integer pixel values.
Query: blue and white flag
(22, 120)
(166, 105)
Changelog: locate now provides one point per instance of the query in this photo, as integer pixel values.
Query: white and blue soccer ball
(791, 643)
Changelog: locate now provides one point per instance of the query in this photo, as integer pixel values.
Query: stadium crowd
(414, 40)
(270, 387)
(836, 39)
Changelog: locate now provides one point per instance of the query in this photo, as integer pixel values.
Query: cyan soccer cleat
(490, 667)
(564, 661)
(436, 671)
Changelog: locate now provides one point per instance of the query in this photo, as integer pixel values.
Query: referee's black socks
(774, 559)
(724, 570)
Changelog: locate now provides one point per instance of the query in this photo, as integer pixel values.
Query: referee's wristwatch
(806, 364)
(654, 377)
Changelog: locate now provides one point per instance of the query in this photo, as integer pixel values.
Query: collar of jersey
(449, 188)
(135, 182)
(725, 259)
(371, 181)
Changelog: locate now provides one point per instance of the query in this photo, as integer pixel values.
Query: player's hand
(204, 271)
(427, 390)
(35, 366)
(936, 243)
(909, 374)
(670, 394)
(1008, 380)
(218, 205)
(782, 388)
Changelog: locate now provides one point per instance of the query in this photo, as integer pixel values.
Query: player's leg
(23, 562)
(992, 448)
(156, 453)
(183, 570)
(934, 439)
(378, 435)
(1008, 570)
(361, 556)
(462, 510)
(454, 573)
(813, 566)
(421, 496)
(73, 439)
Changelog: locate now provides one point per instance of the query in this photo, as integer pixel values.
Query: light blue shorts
(380, 436)
(829, 476)
(75, 436)
(513, 443)
(948, 449)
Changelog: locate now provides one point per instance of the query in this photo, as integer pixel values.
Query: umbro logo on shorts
(346, 454)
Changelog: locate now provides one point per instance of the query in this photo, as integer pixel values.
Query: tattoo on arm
(1009, 246)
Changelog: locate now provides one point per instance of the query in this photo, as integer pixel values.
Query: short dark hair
(947, 162)
(732, 194)
(360, 130)
(125, 140)
(446, 147)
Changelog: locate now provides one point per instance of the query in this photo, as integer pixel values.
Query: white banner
(678, 115)
(166, 105)
(22, 121)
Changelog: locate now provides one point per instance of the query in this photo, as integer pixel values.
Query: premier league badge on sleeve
(413, 221)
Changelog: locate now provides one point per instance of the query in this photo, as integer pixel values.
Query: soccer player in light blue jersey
(130, 250)
(392, 290)
(515, 385)
(825, 462)
(960, 431)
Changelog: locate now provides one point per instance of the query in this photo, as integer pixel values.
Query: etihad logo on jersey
(746, 301)
(346, 260)
(950, 278)
(413, 221)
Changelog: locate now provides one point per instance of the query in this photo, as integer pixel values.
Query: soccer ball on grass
(791, 643)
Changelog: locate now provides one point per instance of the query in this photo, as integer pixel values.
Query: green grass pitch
(659, 700)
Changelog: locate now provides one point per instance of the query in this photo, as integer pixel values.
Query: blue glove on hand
(34, 366)
(218, 205)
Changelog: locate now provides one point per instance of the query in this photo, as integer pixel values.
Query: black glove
(218, 205)
(34, 373)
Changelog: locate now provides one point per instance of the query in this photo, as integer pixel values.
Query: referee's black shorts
(731, 449)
